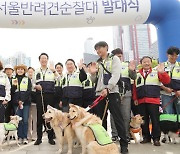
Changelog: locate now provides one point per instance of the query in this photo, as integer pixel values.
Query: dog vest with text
(100, 134)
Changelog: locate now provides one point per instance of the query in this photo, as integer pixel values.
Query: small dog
(61, 126)
(135, 126)
(9, 129)
(80, 120)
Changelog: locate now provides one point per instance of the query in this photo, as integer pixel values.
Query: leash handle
(96, 102)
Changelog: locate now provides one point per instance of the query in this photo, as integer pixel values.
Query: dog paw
(69, 152)
(59, 151)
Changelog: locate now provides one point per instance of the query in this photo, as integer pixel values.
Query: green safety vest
(124, 70)
(152, 79)
(23, 84)
(175, 74)
(87, 84)
(100, 134)
(149, 86)
(71, 80)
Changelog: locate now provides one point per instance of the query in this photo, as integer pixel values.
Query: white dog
(9, 129)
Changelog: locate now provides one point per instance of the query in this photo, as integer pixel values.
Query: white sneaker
(20, 140)
(25, 141)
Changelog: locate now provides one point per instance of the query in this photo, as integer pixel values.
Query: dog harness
(135, 130)
(63, 129)
(100, 134)
(9, 127)
(169, 117)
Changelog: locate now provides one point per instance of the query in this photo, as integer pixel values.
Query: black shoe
(157, 143)
(38, 142)
(124, 150)
(115, 138)
(52, 142)
(145, 140)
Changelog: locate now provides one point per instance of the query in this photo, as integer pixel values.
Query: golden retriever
(79, 118)
(13, 124)
(61, 126)
(135, 127)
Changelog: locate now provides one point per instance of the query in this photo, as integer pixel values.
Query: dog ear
(49, 107)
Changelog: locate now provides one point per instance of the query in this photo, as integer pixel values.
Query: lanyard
(44, 73)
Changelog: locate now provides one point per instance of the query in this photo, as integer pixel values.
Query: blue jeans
(23, 124)
(170, 108)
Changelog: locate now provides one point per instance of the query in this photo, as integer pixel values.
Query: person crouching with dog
(5, 96)
(21, 100)
(146, 94)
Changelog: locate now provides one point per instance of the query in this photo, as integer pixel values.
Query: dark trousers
(48, 100)
(66, 101)
(114, 107)
(134, 108)
(9, 112)
(150, 111)
(2, 111)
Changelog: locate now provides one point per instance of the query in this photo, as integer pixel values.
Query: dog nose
(68, 116)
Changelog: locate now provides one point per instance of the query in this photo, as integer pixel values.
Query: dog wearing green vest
(9, 129)
(88, 128)
(170, 126)
(61, 126)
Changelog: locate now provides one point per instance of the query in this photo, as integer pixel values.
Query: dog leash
(171, 101)
(96, 102)
(42, 101)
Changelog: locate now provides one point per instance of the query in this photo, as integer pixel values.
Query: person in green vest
(58, 86)
(72, 86)
(21, 89)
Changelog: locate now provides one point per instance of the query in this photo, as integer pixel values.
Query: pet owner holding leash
(5, 96)
(45, 78)
(106, 86)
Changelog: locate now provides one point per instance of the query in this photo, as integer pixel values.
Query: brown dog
(80, 120)
(61, 126)
(135, 126)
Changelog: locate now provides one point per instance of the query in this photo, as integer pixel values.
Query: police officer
(127, 73)
(72, 84)
(45, 80)
(106, 86)
(146, 94)
(5, 96)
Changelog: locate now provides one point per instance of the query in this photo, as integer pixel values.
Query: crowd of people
(126, 91)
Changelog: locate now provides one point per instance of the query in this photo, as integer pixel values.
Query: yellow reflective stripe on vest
(175, 72)
(72, 80)
(91, 85)
(49, 75)
(23, 84)
(124, 70)
(152, 79)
